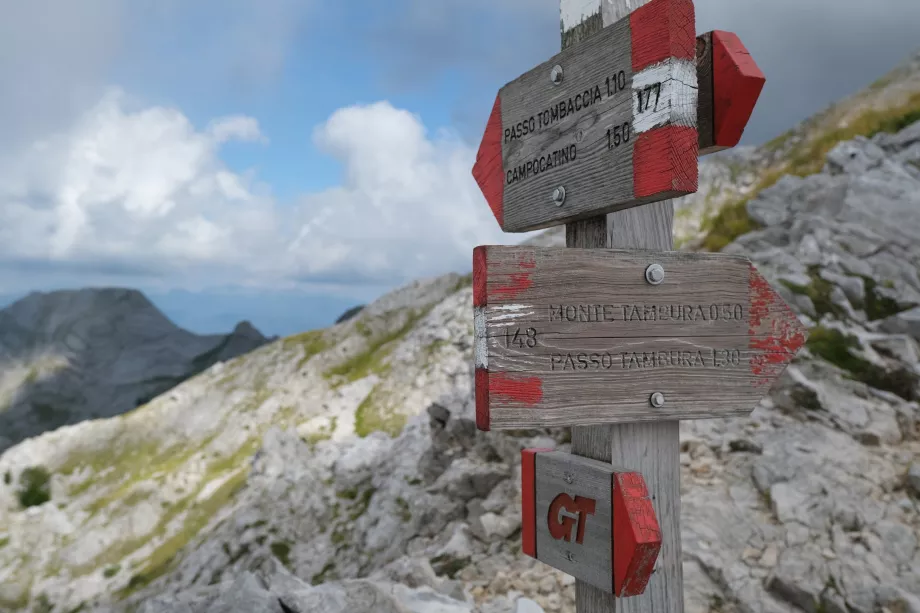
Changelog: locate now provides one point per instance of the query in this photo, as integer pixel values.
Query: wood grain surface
(579, 337)
(590, 519)
(618, 129)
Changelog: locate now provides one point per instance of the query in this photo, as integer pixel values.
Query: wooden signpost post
(619, 345)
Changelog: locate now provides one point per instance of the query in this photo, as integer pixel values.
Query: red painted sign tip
(737, 83)
(636, 535)
(487, 171)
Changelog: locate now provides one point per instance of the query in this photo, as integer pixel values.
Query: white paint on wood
(573, 12)
(678, 97)
(512, 312)
(480, 340)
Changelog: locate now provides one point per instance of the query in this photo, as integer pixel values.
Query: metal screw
(559, 195)
(657, 400)
(555, 74)
(657, 566)
(654, 274)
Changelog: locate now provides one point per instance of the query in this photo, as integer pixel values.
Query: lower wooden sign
(575, 337)
(588, 519)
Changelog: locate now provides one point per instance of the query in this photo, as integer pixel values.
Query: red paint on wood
(483, 416)
(775, 337)
(512, 388)
(488, 169)
(636, 535)
(512, 285)
(529, 500)
(662, 29)
(736, 84)
(480, 276)
(665, 159)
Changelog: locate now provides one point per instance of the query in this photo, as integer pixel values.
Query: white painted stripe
(677, 101)
(515, 311)
(480, 340)
(573, 12)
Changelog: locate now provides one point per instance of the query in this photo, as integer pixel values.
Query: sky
(282, 160)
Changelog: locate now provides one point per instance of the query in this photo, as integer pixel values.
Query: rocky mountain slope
(68, 356)
(340, 470)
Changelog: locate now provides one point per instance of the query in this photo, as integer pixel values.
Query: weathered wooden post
(618, 344)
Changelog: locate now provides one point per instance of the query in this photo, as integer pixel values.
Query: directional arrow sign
(567, 337)
(729, 84)
(607, 124)
(615, 121)
(588, 519)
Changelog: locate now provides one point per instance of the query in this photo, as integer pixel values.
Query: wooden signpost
(615, 121)
(619, 345)
(571, 337)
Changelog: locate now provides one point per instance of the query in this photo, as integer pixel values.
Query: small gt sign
(589, 519)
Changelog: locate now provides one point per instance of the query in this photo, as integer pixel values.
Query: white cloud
(141, 193)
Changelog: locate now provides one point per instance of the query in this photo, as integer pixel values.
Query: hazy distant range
(272, 313)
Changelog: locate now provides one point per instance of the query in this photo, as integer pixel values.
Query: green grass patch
(876, 305)
(362, 503)
(728, 224)
(404, 514)
(464, 282)
(323, 433)
(433, 347)
(372, 360)
(34, 486)
(7, 477)
(372, 415)
(199, 514)
(111, 571)
(837, 348)
(777, 143)
(282, 551)
(449, 565)
(43, 605)
(4, 541)
(326, 574)
(311, 343)
(819, 290)
(811, 156)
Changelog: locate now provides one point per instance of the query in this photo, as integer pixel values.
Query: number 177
(645, 97)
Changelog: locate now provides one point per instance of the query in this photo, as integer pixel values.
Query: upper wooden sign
(569, 337)
(609, 123)
(588, 519)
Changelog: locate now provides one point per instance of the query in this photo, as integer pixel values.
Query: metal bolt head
(559, 195)
(657, 400)
(555, 74)
(654, 274)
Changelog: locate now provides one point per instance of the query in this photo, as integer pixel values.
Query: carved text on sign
(569, 337)
(565, 512)
(616, 126)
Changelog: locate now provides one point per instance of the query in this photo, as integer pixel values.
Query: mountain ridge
(68, 355)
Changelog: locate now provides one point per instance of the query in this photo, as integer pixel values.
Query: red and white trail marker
(616, 120)
(588, 519)
(574, 337)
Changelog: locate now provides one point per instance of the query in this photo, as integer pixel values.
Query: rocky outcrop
(68, 356)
